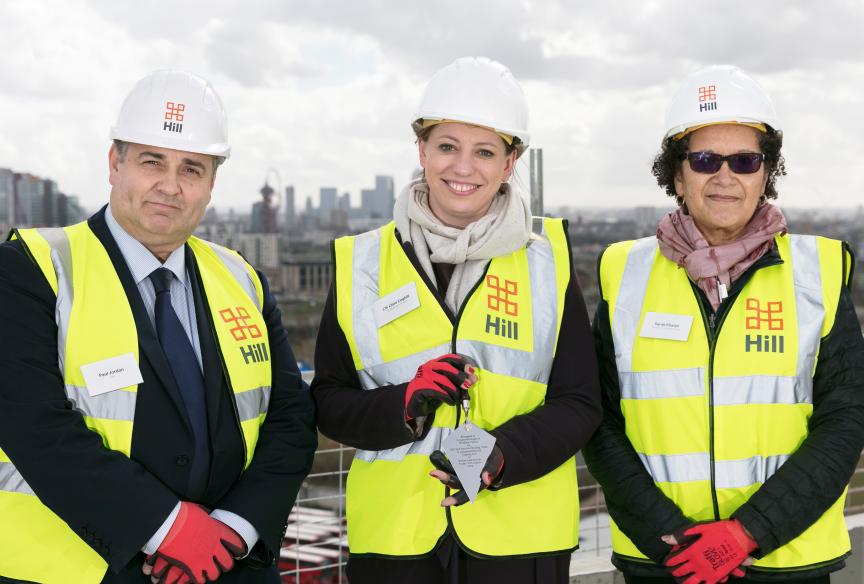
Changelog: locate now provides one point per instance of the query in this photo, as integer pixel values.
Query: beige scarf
(505, 228)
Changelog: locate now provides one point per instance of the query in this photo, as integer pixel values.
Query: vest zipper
(712, 327)
(468, 296)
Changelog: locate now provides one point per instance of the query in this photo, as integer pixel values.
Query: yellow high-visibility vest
(713, 417)
(509, 325)
(36, 544)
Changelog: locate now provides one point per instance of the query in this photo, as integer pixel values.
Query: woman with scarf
(731, 362)
(462, 316)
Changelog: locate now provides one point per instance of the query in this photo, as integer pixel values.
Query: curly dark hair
(667, 163)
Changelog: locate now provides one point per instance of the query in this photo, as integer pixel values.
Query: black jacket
(115, 503)
(792, 499)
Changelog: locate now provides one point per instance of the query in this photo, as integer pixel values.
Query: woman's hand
(490, 475)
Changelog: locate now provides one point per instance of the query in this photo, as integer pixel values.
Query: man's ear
(113, 163)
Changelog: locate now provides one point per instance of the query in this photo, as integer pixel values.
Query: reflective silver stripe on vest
(537, 364)
(506, 361)
(758, 389)
(11, 480)
(662, 384)
(239, 269)
(399, 370)
(436, 436)
(736, 474)
(807, 275)
(544, 310)
(678, 468)
(252, 403)
(728, 474)
(631, 296)
(392, 373)
(364, 290)
(113, 405)
(727, 390)
(61, 258)
(534, 365)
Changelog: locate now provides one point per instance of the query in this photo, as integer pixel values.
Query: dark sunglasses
(710, 162)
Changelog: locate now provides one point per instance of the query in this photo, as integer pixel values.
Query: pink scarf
(682, 242)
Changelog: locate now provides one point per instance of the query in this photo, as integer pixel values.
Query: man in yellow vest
(732, 364)
(153, 422)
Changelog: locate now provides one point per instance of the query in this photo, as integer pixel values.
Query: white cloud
(324, 91)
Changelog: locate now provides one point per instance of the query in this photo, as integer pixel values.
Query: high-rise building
(386, 195)
(260, 249)
(367, 202)
(328, 202)
(28, 194)
(69, 210)
(7, 198)
(378, 202)
(45, 206)
(255, 217)
(290, 209)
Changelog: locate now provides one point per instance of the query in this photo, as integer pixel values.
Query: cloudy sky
(323, 91)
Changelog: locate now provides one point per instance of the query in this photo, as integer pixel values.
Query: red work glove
(438, 380)
(200, 546)
(174, 575)
(710, 552)
(737, 572)
(490, 474)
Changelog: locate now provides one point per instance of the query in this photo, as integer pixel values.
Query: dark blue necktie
(187, 373)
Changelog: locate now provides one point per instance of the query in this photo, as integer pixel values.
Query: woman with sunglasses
(731, 361)
(461, 315)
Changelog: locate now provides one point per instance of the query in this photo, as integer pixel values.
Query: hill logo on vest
(241, 330)
(502, 298)
(767, 318)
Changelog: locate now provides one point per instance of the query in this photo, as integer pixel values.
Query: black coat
(793, 498)
(115, 503)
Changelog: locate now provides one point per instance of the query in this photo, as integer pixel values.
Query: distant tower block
(268, 210)
(290, 210)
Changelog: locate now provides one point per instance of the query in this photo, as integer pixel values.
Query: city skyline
(324, 92)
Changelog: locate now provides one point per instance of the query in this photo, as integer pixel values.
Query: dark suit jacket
(115, 503)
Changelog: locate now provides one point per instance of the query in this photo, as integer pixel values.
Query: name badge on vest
(110, 374)
(398, 303)
(671, 327)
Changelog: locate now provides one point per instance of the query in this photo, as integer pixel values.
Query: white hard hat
(479, 91)
(177, 110)
(716, 95)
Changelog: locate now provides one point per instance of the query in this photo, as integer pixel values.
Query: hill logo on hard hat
(174, 116)
(707, 98)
